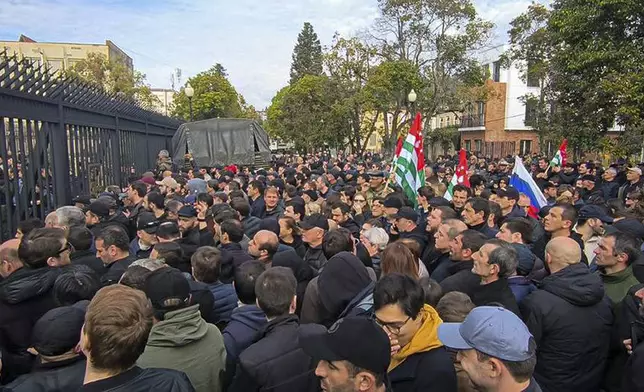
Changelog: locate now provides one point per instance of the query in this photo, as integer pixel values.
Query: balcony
(472, 122)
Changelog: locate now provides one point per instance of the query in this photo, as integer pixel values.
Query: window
(449, 120)
(496, 71)
(442, 119)
(477, 145)
(525, 147)
(530, 113)
(468, 145)
(532, 77)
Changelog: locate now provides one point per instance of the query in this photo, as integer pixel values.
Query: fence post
(147, 147)
(58, 140)
(116, 153)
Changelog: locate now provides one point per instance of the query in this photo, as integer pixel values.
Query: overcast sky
(253, 39)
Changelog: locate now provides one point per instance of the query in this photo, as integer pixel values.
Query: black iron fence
(60, 137)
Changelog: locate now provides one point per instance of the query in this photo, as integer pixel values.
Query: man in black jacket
(58, 365)
(25, 295)
(341, 214)
(81, 240)
(444, 235)
(634, 182)
(146, 228)
(559, 222)
(116, 329)
(275, 361)
(461, 248)
(570, 319)
(475, 214)
(313, 228)
(113, 248)
(189, 227)
(231, 233)
(405, 220)
(494, 263)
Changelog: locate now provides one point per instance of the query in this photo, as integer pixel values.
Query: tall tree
(438, 38)
(214, 96)
(114, 77)
(307, 54)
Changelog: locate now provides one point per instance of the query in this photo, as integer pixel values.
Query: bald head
(264, 245)
(13, 243)
(562, 252)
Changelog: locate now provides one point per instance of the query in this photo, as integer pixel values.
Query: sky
(252, 39)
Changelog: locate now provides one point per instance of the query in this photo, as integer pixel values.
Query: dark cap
(312, 194)
(187, 211)
(58, 330)
(510, 192)
(168, 229)
(82, 199)
(376, 173)
(439, 201)
(315, 220)
(392, 202)
(594, 211)
(407, 213)
(100, 208)
(147, 222)
(166, 285)
(148, 181)
(358, 340)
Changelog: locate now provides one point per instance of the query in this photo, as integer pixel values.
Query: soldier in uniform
(377, 186)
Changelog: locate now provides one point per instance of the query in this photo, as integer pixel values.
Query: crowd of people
(317, 273)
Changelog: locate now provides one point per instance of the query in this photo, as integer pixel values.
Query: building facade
(61, 56)
(500, 126)
(166, 97)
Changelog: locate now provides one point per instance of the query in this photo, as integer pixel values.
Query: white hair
(377, 236)
(70, 216)
(151, 264)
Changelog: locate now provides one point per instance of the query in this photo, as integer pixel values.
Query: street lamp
(411, 97)
(190, 92)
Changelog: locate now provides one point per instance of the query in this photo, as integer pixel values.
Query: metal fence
(60, 137)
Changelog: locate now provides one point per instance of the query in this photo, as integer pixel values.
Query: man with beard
(434, 220)
(447, 231)
(459, 198)
(341, 214)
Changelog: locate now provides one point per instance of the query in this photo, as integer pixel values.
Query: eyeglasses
(395, 327)
(68, 247)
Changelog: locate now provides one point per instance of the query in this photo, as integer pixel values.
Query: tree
(214, 97)
(438, 38)
(307, 54)
(309, 113)
(598, 52)
(115, 77)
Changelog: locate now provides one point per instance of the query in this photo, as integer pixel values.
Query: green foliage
(310, 113)
(214, 97)
(307, 54)
(115, 77)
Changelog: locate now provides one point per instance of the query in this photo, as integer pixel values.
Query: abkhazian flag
(460, 175)
(410, 161)
(560, 157)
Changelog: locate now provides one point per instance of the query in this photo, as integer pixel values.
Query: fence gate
(60, 137)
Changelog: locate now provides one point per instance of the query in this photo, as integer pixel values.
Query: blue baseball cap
(492, 330)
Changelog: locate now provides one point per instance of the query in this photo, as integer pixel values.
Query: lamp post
(190, 92)
(411, 97)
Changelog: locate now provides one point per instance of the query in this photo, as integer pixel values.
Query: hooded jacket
(275, 361)
(232, 257)
(245, 323)
(225, 301)
(570, 319)
(352, 226)
(315, 258)
(184, 341)
(57, 376)
(142, 380)
(88, 258)
(298, 245)
(343, 278)
(251, 225)
(526, 259)
(618, 284)
(423, 364)
(25, 296)
(520, 287)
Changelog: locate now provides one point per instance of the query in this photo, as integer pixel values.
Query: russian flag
(523, 182)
